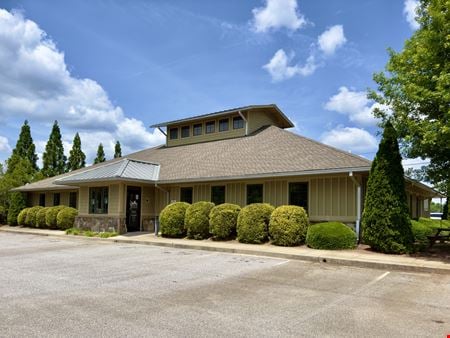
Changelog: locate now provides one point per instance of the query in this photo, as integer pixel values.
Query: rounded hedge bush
(223, 220)
(21, 217)
(40, 217)
(253, 223)
(330, 236)
(171, 220)
(196, 220)
(66, 218)
(30, 220)
(421, 232)
(51, 214)
(288, 225)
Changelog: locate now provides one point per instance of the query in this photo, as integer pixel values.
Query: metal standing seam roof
(125, 169)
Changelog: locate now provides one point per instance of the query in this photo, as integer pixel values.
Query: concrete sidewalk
(357, 258)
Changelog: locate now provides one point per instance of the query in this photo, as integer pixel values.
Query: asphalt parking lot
(70, 287)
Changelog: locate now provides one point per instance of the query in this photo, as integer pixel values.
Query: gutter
(358, 205)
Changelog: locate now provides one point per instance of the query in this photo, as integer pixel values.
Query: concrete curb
(321, 258)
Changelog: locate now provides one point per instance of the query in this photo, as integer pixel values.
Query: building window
(98, 200)
(56, 198)
(185, 131)
(223, 125)
(173, 133)
(218, 194)
(73, 199)
(186, 195)
(238, 122)
(42, 200)
(197, 129)
(298, 194)
(254, 193)
(210, 127)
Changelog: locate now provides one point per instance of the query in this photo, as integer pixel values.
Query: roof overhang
(123, 170)
(425, 187)
(286, 123)
(361, 170)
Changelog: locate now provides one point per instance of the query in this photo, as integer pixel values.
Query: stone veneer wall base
(101, 224)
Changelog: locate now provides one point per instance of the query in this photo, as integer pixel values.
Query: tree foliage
(54, 160)
(416, 86)
(386, 224)
(117, 150)
(100, 154)
(77, 159)
(25, 149)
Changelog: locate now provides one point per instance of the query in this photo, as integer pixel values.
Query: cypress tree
(386, 224)
(77, 159)
(100, 155)
(117, 150)
(54, 160)
(25, 149)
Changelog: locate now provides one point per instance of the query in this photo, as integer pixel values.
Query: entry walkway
(360, 257)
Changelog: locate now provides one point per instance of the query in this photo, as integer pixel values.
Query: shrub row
(256, 223)
(57, 217)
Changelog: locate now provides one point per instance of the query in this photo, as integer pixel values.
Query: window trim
(213, 123)
(246, 192)
(192, 194)
(197, 125)
(228, 125)
(94, 211)
(170, 133)
(224, 193)
(308, 184)
(56, 199)
(240, 119)
(184, 128)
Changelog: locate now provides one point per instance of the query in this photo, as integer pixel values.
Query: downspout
(168, 201)
(358, 205)
(246, 122)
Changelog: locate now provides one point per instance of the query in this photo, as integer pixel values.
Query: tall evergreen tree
(77, 159)
(100, 155)
(117, 150)
(25, 149)
(54, 160)
(385, 223)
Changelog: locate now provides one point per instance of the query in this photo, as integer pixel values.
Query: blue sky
(109, 69)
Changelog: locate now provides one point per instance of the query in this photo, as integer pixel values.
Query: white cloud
(35, 84)
(278, 14)
(350, 139)
(331, 39)
(355, 105)
(409, 11)
(279, 68)
(4, 145)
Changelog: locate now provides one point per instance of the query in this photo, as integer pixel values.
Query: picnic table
(438, 236)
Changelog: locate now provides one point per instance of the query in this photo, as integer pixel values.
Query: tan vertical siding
(235, 193)
(258, 119)
(113, 199)
(201, 192)
(275, 192)
(148, 203)
(84, 201)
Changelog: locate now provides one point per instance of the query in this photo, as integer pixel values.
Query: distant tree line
(22, 168)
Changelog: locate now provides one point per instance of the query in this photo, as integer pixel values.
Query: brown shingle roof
(270, 151)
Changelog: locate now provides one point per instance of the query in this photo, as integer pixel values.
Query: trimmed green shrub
(288, 225)
(66, 218)
(223, 220)
(386, 225)
(196, 220)
(40, 217)
(421, 231)
(16, 205)
(22, 216)
(171, 220)
(30, 220)
(330, 236)
(253, 223)
(51, 215)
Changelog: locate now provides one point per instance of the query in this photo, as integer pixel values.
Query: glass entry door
(133, 209)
